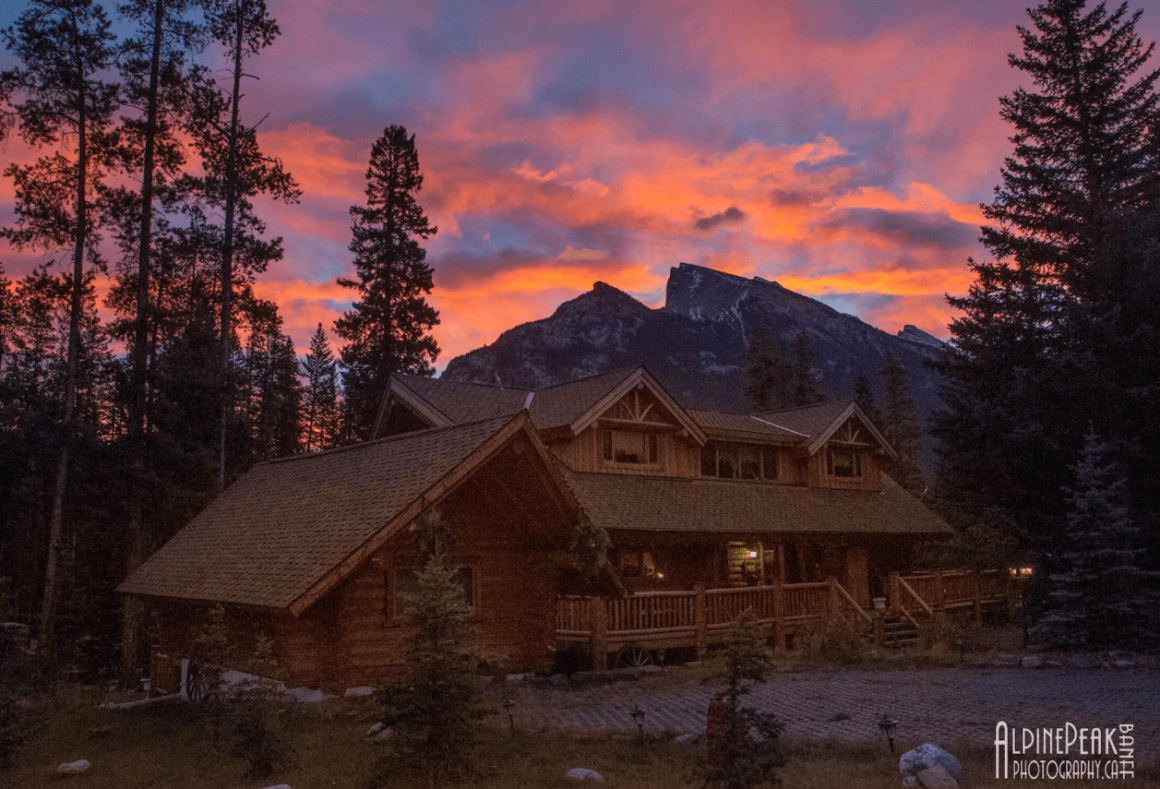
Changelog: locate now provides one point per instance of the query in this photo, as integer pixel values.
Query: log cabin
(788, 513)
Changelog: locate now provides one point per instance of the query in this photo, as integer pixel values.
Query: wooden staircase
(899, 631)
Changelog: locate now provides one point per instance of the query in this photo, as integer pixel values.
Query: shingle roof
(285, 524)
(552, 406)
(464, 402)
(621, 501)
(716, 423)
(809, 420)
(565, 403)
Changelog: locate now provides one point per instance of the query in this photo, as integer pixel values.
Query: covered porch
(629, 630)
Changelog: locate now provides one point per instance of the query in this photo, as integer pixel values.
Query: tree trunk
(228, 253)
(46, 644)
(132, 610)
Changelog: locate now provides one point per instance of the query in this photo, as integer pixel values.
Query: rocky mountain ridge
(697, 343)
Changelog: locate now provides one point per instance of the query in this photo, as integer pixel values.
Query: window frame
(650, 448)
(856, 470)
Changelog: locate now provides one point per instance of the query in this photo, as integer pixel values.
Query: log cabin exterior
(706, 511)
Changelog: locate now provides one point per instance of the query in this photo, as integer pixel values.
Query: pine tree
(388, 330)
(864, 397)
(900, 424)
(59, 99)
(236, 171)
(807, 389)
(776, 379)
(1097, 595)
(1028, 366)
(435, 710)
(747, 749)
(320, 407)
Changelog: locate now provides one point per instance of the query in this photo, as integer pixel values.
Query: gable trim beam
(639, 376)
(851, 410)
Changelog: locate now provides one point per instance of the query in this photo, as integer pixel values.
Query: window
(638, 564)
(624, 447)
(404, 585)
(739, 461)
(841, 463)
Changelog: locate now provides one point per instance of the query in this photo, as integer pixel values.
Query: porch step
(899, 632)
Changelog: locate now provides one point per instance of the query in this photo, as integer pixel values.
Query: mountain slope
(696, 345)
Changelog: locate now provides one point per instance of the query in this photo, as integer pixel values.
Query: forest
(115, 431)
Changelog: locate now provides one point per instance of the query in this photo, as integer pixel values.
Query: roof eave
(638, 376)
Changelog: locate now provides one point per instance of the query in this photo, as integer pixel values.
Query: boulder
(683, 738)
(937, 778)
(384, 734)
(307, 695)
(73, 768)
(1032, 661)
(1124, 663)
(375, 729)
(927, 756)
(359, 692)
(583, 774)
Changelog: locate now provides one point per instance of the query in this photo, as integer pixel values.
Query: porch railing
(701, 617)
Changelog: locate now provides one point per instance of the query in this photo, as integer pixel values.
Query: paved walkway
(942, 705)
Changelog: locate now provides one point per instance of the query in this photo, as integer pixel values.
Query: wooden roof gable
(843, 428)
(638, 378)
(288, 531)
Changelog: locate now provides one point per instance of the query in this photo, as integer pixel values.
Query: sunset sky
(840, 148)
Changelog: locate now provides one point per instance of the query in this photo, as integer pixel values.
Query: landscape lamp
(638, 717)
(888, 725)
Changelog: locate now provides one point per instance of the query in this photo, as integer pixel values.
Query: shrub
(746, 750)
(834, 640)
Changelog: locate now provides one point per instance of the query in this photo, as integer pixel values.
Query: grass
(171, 747)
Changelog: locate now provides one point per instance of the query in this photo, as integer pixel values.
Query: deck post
(598, 625)
(894, 591)
(879, 625)
(939, 604)
(779, 634)
(701, 621)
(833, 601)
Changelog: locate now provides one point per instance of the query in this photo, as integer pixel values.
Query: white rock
(1032, 661)
(910, 782)
(582, 774)
(685, 738)
(375, 729)
(516, 677)
(308, 695)
(359, 692)
(937, 778)
(74, 768)
(926, 756)
(384, 735)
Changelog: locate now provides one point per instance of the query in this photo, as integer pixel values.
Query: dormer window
(739, 461)
(843, 463)
(623, 446)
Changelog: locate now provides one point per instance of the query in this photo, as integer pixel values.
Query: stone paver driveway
(940, 705)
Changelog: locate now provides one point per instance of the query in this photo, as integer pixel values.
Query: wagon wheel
(633, 656)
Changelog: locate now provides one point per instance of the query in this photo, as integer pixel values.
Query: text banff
(1020, 753)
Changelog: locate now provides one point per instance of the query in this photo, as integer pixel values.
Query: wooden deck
(700, 618)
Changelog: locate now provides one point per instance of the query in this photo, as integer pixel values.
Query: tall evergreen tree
(1097, 596)
(777, 379)
(236, 171)
(320, 396)
(60, 100)
(1025, 372)
(388, 330)
(901, 426)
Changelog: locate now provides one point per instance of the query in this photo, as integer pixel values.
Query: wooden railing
(699, 617)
